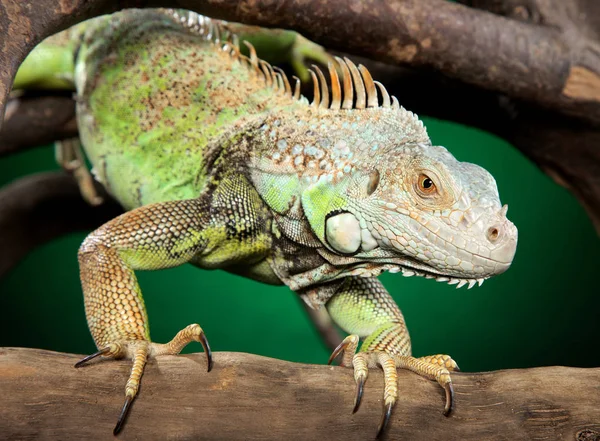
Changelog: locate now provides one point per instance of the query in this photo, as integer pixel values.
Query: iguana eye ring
(426, 185)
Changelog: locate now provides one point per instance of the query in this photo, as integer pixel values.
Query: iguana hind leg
(364, 308)
(151, 237)
(69, 156)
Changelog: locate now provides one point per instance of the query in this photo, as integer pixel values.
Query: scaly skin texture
(224, 165)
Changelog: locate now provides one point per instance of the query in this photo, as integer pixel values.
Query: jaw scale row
(409, 272)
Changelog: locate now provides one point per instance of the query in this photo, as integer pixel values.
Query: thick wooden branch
(39, 208)
(534, 63)
(581, 16)
(252, 397)
(31, 121)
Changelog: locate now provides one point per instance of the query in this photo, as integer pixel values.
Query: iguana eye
(426, 185)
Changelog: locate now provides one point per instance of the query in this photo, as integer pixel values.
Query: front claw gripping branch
(151, 237)
(365, 309)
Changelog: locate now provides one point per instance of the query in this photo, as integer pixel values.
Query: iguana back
(154, 96)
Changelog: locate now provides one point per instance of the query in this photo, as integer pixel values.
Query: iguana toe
(434, 367)
(139, 351)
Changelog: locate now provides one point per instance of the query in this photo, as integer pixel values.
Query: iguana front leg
(363, 308)
(151, 237)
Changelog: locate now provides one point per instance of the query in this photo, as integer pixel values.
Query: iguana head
(419, 210)
(376, 193)
(391, 198)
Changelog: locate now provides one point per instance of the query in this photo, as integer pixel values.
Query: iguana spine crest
(355, 89)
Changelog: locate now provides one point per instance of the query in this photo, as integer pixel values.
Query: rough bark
(38, 208)
(31, 121)
(252, 397)
(557, 67)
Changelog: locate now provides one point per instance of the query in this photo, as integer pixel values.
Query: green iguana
(224, 164)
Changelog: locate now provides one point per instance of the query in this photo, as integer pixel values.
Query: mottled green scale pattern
(153, 96)
(238, 225)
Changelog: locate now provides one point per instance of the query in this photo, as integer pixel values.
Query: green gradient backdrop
(545, 310)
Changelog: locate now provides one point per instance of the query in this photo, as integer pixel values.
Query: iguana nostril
(493, 234)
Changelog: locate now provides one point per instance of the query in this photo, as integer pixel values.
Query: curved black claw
(337, 351)
(123, 415)
(385, 418)
(449, 398)
(207, 351)
(359, 393)
(91, 357)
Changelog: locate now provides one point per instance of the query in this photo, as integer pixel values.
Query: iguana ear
(326, 208)
(342, 232)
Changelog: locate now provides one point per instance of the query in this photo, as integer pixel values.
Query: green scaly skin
(223, 168)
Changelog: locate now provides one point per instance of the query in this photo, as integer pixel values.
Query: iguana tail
(51, 64)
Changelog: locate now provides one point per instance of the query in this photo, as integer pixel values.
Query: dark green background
(544, 311)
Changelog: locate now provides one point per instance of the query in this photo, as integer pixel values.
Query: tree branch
(252, 397)
(31, 121)
(541, 64)
(565, 149)
(582, 16)
(534, 63)
(38, 208)
(321, 320)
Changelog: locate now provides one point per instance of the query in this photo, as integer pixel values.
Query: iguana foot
(434, 367)
(304, 49)
(139, 351)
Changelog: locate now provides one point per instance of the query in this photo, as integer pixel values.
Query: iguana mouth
(373, 266)
(459, 282)
(408, 268)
